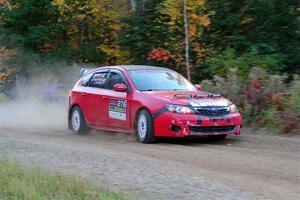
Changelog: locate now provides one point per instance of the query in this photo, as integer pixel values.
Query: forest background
(247, 50)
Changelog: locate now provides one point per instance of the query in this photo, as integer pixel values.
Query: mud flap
(69, 123)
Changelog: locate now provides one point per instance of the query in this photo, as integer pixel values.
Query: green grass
(18, 182)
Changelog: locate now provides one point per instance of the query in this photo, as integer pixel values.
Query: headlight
(233, 109)
(179, 109)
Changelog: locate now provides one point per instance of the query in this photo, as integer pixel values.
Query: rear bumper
(170, 124)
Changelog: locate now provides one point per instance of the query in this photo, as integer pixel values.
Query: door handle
(83, 93)
(105, 97)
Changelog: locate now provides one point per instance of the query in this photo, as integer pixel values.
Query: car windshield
(157, 80)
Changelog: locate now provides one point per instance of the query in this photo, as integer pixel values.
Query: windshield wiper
(147, 90)
(178, 89)
(163, 90)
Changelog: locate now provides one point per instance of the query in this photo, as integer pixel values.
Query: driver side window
(114, 79)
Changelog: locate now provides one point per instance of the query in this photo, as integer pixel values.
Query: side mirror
(198, 87)
(120, 87)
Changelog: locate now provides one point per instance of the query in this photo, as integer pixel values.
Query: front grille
(211, 129)
(212, 111)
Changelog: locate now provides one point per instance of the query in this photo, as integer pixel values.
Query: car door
(93, 99)
(117, 103)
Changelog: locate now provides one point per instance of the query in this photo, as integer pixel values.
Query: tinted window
(114, 79)
(148, 80)
(98, 80)
(86, 79)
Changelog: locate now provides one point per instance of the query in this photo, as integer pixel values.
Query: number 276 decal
(117, 109)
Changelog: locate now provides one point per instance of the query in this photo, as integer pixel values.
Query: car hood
(195, 99)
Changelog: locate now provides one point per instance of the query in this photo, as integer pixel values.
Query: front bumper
(169, 124)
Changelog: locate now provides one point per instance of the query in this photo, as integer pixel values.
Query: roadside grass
(18, 182)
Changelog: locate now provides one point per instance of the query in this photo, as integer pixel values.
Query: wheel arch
(70, 112)
(71, 108)
(137, 113)
(150, 132)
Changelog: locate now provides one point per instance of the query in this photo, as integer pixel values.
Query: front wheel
(78, 123)
(144, 130)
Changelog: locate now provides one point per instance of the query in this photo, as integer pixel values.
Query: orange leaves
(160, 54)
(173, 19)
(204, 20)
(192, 31)
(200, 52)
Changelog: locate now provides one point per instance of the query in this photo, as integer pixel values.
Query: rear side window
(98, 80)
(85, 79)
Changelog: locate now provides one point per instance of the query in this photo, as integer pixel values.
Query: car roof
(127, 68)
(133, 67)
(142, 67)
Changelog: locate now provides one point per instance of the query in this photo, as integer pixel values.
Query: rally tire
(144, 129)
(217, 137)
(78, 124)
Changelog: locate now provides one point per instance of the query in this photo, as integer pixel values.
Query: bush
(223, 62)
(295, 90)
(264, 100)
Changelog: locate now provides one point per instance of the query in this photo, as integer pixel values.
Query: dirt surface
(250, 166)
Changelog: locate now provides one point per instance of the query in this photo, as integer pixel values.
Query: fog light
(176, 128)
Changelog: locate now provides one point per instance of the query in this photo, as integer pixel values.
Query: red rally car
(151, 102)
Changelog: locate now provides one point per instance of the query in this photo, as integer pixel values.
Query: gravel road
(250, 166)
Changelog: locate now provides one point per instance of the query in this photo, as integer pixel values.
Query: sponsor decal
(209, 103)
(99, 79)
(117, 109)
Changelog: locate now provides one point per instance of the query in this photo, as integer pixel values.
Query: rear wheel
(144, 130)
(217, 137)
(78, 123)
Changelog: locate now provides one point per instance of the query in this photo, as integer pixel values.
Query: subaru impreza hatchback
(149, 101)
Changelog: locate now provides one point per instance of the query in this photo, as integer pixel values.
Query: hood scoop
(183, 96)
(197, 96)
(207, 96)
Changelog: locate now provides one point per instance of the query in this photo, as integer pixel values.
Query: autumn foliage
(160, 54)
(264, 100)
(234, 46)
(172, 18)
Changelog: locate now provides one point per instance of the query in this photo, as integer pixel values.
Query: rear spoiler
(84, 71)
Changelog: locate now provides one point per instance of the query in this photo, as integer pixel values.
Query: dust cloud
(33, 115)
(39, 103)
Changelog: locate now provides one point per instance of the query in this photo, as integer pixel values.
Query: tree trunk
(133, 5)
(186, 41)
